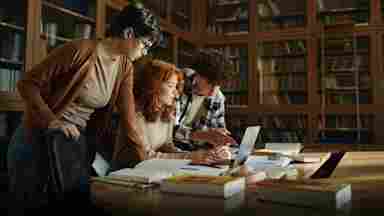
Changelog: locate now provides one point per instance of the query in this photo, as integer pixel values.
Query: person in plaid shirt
(200, 110)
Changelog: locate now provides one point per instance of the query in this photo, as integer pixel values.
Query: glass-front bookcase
(235, 82)
(65, 20)
(185, 53)
(344, 69)
(12, 43)
(331, 12)
(281, 14)
(280, 128)
(13, 16)
(181, 11)
(229, 17)
(282, 69)
(345, 129)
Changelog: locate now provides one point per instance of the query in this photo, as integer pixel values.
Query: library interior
(308, 73)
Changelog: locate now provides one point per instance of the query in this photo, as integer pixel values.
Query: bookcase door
(229, 17)
(185, 53)
(282, 68)
(181, 11)
(12, 43)
(65, 20)
(281, 14)
(332, 12)
(236, 68)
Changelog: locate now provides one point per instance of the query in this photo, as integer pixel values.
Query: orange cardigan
(54, 83)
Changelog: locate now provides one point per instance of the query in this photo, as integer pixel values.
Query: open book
(150, 171)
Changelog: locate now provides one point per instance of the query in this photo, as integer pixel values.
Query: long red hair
(147, 89)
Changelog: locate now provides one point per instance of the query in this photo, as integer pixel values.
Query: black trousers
(50, 173)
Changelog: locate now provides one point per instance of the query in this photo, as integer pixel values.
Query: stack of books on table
(212, 186)
(307, 193)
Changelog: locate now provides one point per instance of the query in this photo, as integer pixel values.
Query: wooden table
(364, 170)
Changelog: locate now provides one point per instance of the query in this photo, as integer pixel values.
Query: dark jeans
(50, 171)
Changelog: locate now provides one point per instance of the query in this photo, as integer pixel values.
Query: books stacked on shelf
(8, 79)
(83, 31)
(281, 14)
(230, 17)
(214, 186)
(308, 193)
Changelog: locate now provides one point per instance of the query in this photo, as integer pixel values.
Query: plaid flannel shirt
(215, 117)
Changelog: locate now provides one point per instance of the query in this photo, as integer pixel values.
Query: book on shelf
(307, 193)
(213, 186)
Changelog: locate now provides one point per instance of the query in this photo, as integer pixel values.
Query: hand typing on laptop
(214, 136)
(211, 156)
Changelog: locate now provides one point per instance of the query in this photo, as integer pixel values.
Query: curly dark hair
(143, 22)
(147, 89)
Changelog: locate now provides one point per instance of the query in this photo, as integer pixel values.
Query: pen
(189, 168)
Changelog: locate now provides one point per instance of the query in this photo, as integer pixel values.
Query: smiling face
(168, 91)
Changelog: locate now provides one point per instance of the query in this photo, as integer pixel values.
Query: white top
(96, 91)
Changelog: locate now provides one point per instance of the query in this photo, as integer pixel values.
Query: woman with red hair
(156, 89)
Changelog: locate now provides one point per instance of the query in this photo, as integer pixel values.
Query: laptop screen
(247, 143)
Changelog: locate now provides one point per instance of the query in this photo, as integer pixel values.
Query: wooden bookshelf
(29, 19)
(304, 20)
(250, 25)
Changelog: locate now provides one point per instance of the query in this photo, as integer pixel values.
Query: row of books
(11, 46)
(347, 81)
(283, 65)
(347, 63)
(236, 99)
(276, 98)
(233, 85)
(284, 83)
(282, 48)
(348, 99)
(8, 79)
(347, 121)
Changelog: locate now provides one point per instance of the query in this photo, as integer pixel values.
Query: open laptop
(245, 149)
(247, 144)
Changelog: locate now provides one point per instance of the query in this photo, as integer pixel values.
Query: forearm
(200, 135)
